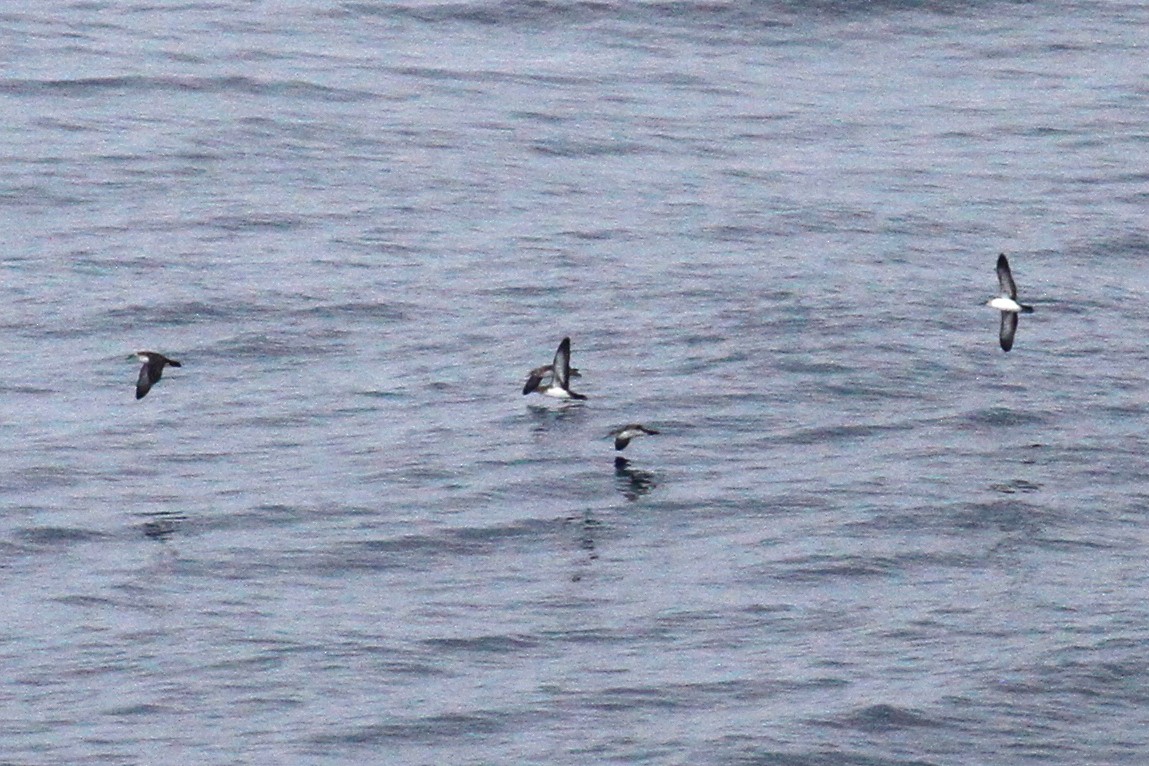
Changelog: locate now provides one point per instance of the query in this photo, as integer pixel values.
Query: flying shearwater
(624, 434)
(559, 371)
(1007, 303)
(152, 370)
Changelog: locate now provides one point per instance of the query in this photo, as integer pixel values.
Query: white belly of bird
(1005, 304)
(558, 393)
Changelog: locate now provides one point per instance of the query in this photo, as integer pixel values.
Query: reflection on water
(633, 483)
(588, 527)
(544, 417)
(162, 524)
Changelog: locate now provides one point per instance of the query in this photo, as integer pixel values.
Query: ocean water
(339, 534)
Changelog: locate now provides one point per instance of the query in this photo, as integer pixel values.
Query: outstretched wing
(562, 364)
(144, 382)
(1008, 329)
(1005, 277)
(534, 378)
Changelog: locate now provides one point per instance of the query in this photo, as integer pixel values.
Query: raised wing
(562, 364)
(1005, 277)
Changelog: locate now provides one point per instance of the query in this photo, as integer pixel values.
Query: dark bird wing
(562, 364)
(1008, 329)
(152, 371)
(1005, 277)
(535, 377)
(620, 443)
(145, 382)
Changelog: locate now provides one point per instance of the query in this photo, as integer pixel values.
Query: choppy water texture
(340, 535)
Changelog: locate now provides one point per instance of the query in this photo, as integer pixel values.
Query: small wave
(56, 536)
(584, 148)
(425, 729)
(241, 85)
(495, 644)
(175, 314)
(813, 568)
(883, 718)
(711, 15)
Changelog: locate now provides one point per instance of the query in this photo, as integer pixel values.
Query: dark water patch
(252, 222)
(195, 458)
(633, 698)
(493, 644)
(428, 730)
(144, 709)
(97, 602)
(1089, 675)
(409, 550)
(745, 234)
(998, 417)
(754, 754)
(734, 18)
(589, 149)
(259, 517)
(1000, 516)
(377, 394)
(103, 87)
(162, 525)
(53, 537)
(41, 477)
(1128, 243)
(517, 293)
(1067, 544)
(599, 235)
(878, 719)
(631, 482)
(821, 567)
(1015, 486)
(440, 74)
(840, 219)
(894, 390)
(835, 434)
(175, 314)
(806, 366)
(53, 123)
(621, 635)
(372, 310)
(281, 344)
(37, 197)
(500, 13)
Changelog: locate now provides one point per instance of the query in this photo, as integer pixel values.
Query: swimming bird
(1007, 303)
(544, 374)
(624, 434)
(559, 371)
(152, 370)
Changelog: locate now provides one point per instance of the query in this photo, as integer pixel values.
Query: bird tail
(1026, 309)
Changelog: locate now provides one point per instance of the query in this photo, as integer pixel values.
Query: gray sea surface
(339, 533)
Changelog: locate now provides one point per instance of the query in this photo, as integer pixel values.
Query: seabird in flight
(1007, 303)
(152, 370)
(624, 434)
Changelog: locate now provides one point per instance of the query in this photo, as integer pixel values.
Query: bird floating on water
(1007, 303)
(559, 371)
(152, 370)
(623, 434)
